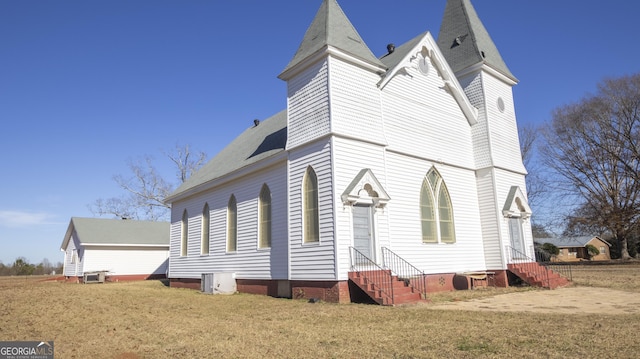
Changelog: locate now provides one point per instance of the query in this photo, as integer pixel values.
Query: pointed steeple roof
(464, 41)
(331, 27)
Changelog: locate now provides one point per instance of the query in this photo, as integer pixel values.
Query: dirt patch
(588, 300)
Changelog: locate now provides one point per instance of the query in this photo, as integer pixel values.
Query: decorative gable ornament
(365, 189)
(516, 204)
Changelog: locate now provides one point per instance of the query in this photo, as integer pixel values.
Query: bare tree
(536, 187)
(593, 147)
(145, 189)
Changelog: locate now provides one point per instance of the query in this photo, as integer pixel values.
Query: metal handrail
(530, 265)
(562, 268)
(379, 278)
(406, 271)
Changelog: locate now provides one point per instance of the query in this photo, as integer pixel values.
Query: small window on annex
(436, 211)
(264, 218)
(204, 243)
(310, 211)
(184, 233)
(232, 225)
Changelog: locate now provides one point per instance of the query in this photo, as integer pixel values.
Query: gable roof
(331, 28)
(398, 60)
(256, 143)
(569, 242)
(117, 232)
(465, 42)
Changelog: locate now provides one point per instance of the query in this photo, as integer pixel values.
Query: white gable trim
(516, 204)
(323, 52)
(365, 189)
(428, 47)
(482, 66)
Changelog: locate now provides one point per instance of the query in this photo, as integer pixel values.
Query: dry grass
(150, 320)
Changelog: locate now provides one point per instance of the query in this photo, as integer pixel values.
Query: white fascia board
(329, 51)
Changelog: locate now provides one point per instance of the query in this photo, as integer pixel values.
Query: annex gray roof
(117, 232)
(256, 143)
(464, 41)
(331, 27)
(569, 242)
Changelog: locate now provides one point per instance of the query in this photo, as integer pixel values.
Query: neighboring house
(416, 152)
(125, 249)
(574, 248)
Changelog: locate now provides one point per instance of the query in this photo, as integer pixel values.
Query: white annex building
(408, 160)
(122, 249)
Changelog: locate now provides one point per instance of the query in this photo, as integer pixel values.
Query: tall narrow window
(232, 225)
(204, 243)
(311, 214)
(184, 233)
(427, 214)
(436, 212)
(264, 218)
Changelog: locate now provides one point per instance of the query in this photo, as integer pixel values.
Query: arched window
(204, 243)
(264, 218)
(310, 212)
(232, 225)
(436, 212)
(184, 233)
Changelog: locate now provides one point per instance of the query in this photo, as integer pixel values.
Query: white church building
(411, 159)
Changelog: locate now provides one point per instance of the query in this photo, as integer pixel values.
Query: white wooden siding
(355, 102)
(249, 261)
(126, 261)
(491, 219)
(72, 269)
(312, 261)
(405, 176)
(308, 105)
(505, 146)
(422, 119)
(349, 158)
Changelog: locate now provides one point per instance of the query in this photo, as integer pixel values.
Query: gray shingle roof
(464, 41)
(332, 27)
(254, 144)
(568, 242)
(118, 232)
(392, 59)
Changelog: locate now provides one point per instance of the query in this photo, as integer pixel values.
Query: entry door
(363, 231)
(517, 237)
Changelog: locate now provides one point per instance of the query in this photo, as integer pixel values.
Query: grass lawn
(150, 320)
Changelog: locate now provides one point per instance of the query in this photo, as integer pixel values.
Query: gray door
(517, 238)
(362, 231)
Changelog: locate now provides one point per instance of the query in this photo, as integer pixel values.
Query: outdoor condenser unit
(218, 283)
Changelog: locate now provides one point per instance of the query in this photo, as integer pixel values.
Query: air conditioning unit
(218, 283)
(93, 277)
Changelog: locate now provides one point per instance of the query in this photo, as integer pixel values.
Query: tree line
(587, 167)
(22, 267)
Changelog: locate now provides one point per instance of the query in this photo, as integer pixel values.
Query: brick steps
(402, 292)
(538, 276)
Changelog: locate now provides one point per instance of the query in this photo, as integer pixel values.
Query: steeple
(332, 28)
(465, 42)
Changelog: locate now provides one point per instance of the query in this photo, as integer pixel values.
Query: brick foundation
(343, 291)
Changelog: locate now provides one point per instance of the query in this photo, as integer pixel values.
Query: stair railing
(546, 259)
(380, 279)
(529, 265)
(406, 271)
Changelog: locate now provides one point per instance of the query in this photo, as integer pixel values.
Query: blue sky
(87, 85)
